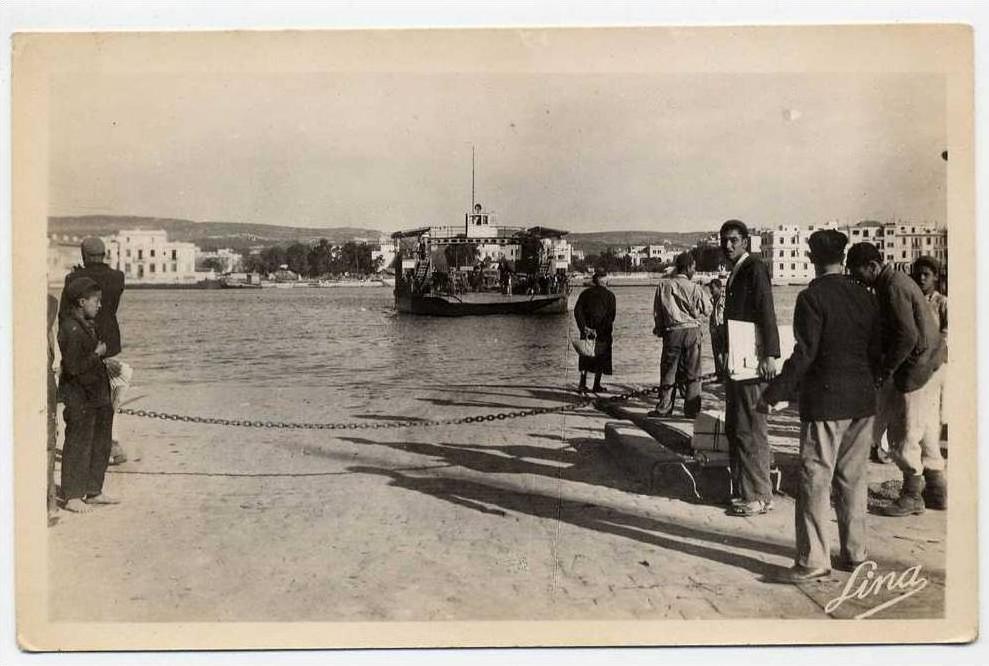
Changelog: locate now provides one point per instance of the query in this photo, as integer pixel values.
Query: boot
(910, 502)
(935, 490)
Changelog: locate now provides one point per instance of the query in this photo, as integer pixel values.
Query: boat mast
(473, 162)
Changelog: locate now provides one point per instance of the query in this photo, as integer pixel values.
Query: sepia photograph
(494, 337)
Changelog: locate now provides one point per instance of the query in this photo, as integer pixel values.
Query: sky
(584, 152)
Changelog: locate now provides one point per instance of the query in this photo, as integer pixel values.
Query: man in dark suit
(834, 363)
(111, 283)
(749, 297)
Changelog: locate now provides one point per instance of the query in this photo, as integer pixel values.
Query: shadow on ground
(495, 500)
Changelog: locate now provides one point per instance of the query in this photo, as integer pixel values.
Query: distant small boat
(373, 282)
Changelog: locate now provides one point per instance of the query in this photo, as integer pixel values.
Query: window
(128, 253)
(793, 267)
(152, 252)
(904, 255)
(928, 240)
(175, 267)
(140, 270)
(164, 268)
(127, 268)
(140, 254)
(151, 267)
(781, 266)
(782, 254)
(865, 233)
(174, 255)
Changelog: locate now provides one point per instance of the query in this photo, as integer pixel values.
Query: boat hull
(481, 304)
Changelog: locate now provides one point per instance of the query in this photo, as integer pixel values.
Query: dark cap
(828, 245)
(600, 272)
(81, 287)
(91, 246)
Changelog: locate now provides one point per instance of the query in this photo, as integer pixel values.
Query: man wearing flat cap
(834, 366)
(111, 283)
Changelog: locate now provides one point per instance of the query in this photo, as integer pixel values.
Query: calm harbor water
(335, 339)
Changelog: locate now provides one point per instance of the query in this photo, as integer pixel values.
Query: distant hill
(207, 235)
(242, 235)
(595, 242)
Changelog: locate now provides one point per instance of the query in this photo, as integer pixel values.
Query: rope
(465, 420)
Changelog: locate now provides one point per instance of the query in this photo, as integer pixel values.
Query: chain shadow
(661, 534)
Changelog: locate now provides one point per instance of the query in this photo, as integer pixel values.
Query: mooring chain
(418, 423)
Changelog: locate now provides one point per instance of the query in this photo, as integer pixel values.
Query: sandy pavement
(519, 519)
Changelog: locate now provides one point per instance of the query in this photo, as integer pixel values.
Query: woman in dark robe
(595, 315)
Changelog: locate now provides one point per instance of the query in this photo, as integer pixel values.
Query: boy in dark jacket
(834, 363)
(111, 282)
(85, 390)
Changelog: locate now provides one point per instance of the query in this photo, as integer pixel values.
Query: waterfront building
(147, 256)
(785, 250)
(385, 251)
(664, 252)
(63, 255)
(559, 252)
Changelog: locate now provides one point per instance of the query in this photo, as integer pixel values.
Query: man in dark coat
(85, 390)
(834, 363)
(595, 315)
(111, 284)
(911, 375)
(749, 297)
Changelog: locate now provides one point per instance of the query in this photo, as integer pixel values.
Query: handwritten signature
(865, 583)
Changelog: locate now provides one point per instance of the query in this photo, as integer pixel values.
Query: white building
(385, 250)
(785, 250)
(559, 251)
(664, 252)
(905, 243)
(63, 255)
(147, 256)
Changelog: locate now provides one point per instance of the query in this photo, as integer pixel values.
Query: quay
(536, 518)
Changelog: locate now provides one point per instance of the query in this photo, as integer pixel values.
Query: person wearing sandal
(834, 366)
(749, 297)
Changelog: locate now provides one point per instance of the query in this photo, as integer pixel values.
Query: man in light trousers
(910, 377)
(834, 363)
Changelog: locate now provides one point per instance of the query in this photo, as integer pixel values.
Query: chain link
(418, 423)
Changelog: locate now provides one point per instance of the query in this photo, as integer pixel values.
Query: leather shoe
(847, 565)
(800, 574)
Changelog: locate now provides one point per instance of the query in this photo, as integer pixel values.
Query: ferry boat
(426, 284)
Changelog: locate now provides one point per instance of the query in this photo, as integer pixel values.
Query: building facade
(63, 255)
(147, 256)
(385, 251)
(785, 246)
